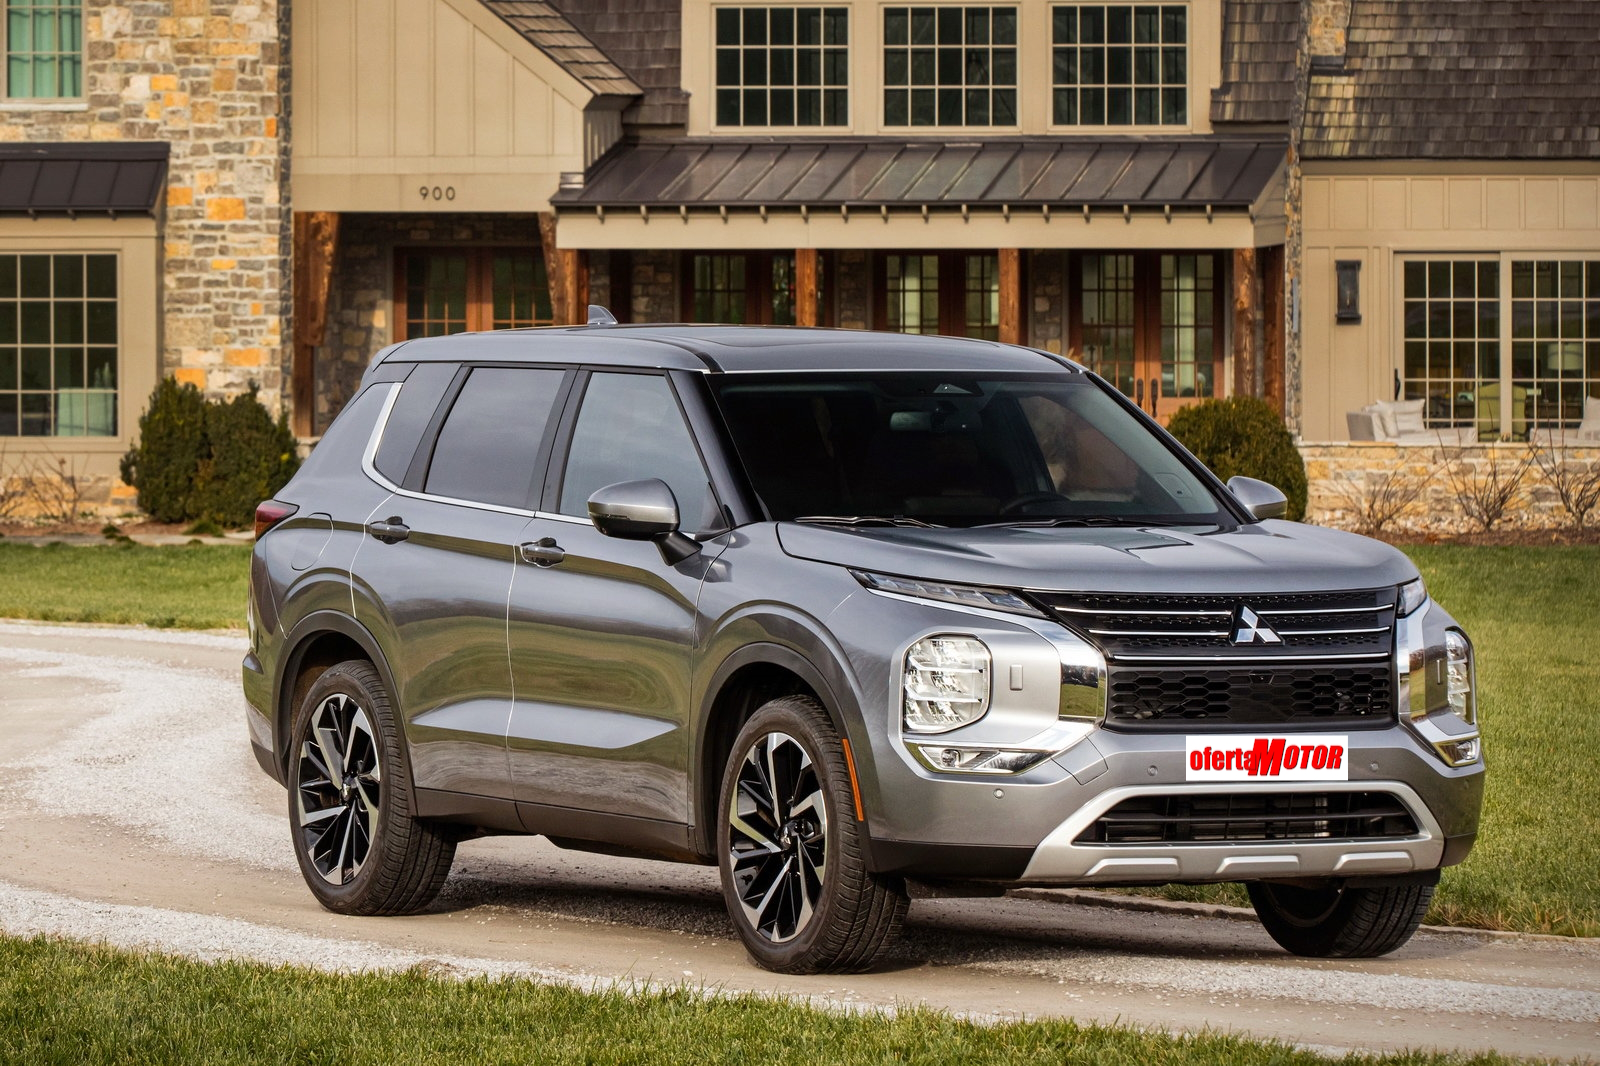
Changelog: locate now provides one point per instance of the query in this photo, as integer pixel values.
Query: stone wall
(1343, 476)
(655, 287)
(202, 75)
(361, 299)
(1046, 318)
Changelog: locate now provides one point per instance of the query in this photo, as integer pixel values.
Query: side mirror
(642, 510)
(1259, 498)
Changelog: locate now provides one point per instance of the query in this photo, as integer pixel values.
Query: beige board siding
(1378, 214)
(433, 105)
(1340, 477)
(1034, 73)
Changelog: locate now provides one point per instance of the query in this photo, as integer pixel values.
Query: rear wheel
(794, 871)
(1339, 920)
(360, 847)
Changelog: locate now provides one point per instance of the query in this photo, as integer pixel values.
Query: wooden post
(554, 269)
(315, 243)
(1272, 308)
(1011, 295)
(1245, 309)
(805, 286)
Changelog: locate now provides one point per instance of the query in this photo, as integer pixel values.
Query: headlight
(1412, 596)
(1458, 676)
(962, 595)
(946, 683)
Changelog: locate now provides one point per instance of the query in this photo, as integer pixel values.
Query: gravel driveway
(131, 811)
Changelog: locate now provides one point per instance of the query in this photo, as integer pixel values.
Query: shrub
(251, 457)
(172, 441)
(1243, 435)
(200, 459)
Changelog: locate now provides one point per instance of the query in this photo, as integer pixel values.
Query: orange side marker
(855, 787)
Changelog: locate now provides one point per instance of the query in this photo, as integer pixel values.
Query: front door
(602, 631)
(1151, 324)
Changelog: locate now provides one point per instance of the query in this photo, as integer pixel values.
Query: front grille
(1252, 816)
(1345, 624)
(1165, 698)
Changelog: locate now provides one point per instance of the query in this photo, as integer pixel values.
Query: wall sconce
(1347, 307)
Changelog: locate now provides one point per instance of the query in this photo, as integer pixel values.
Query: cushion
(1385, 415)
(1408, 417)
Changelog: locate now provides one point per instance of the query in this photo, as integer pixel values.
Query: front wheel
(1338, 920)
(361, 848)
(794, 872)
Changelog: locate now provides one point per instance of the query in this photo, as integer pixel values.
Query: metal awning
(71, 178)
(1178, 172)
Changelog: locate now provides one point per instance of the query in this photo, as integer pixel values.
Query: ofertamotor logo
(1301, 757)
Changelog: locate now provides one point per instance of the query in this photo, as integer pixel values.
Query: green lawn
(70, 1004)
(1531, 613)
(194, 587)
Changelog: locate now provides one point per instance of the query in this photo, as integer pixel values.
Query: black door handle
(391, 530)
(542, 552)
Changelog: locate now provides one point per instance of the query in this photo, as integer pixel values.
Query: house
(1198, 198)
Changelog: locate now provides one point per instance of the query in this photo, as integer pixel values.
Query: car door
(602, 631)
(438, 564)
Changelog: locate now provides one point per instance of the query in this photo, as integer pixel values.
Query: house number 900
(437, 192)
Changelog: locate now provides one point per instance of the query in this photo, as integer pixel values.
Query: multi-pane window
(912, 294)
(1188, 299)
(1106, 314)
(982, 303)
(1120, 64)
(1555, 340)
(451, 290)
(1452, 344)
(782, 66)
(950, 66)
(44, 49)
(58, 345)
(742, 287)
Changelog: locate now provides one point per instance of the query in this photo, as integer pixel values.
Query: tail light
(270, 512)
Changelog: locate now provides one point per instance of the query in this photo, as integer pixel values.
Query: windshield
(953, 449)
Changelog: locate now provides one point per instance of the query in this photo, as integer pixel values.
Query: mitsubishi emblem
(1250, 629)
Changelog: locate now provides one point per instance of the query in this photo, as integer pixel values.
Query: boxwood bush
(200, 459)
(1244, 435)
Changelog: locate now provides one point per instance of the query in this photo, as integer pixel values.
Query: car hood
(1269, 556)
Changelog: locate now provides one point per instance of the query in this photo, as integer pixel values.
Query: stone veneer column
(204, 76)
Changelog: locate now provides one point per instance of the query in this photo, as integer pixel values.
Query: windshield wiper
(1072, 520)
(865, 520)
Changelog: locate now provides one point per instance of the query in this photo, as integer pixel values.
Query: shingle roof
(1461, 79)
(643, 37)
(1259, 38)
(873, 171)
(74, 177)
(554, 34)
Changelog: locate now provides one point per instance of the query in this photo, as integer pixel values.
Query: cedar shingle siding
(1461, 79)
(1258, 49)
(643, 37)
(553, 34)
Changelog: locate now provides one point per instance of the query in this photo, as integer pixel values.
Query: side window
(629, 429)
(488, 446)
(408, 419)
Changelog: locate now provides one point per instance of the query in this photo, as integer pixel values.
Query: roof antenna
(599, 316)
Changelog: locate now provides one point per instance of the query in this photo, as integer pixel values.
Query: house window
(950, 66)
(1555, 341)
(754, 288)
(953, 293)
(1452, 343)
(44, 49)
(782, 66)
(1120, 64)
(58, 345)
(451, 290)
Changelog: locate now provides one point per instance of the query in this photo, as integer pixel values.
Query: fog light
(1458, 676)
(1461, 752)
(946, 683)
(977, 760)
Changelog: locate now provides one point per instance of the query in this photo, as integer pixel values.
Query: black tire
(790, 919)
(360, 848)
(1339, 920)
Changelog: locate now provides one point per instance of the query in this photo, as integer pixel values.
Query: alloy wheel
(338, 788)
(778, 837)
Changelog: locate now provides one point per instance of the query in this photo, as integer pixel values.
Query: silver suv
(854, 617)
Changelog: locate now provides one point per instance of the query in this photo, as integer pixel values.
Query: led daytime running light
(962, 595)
